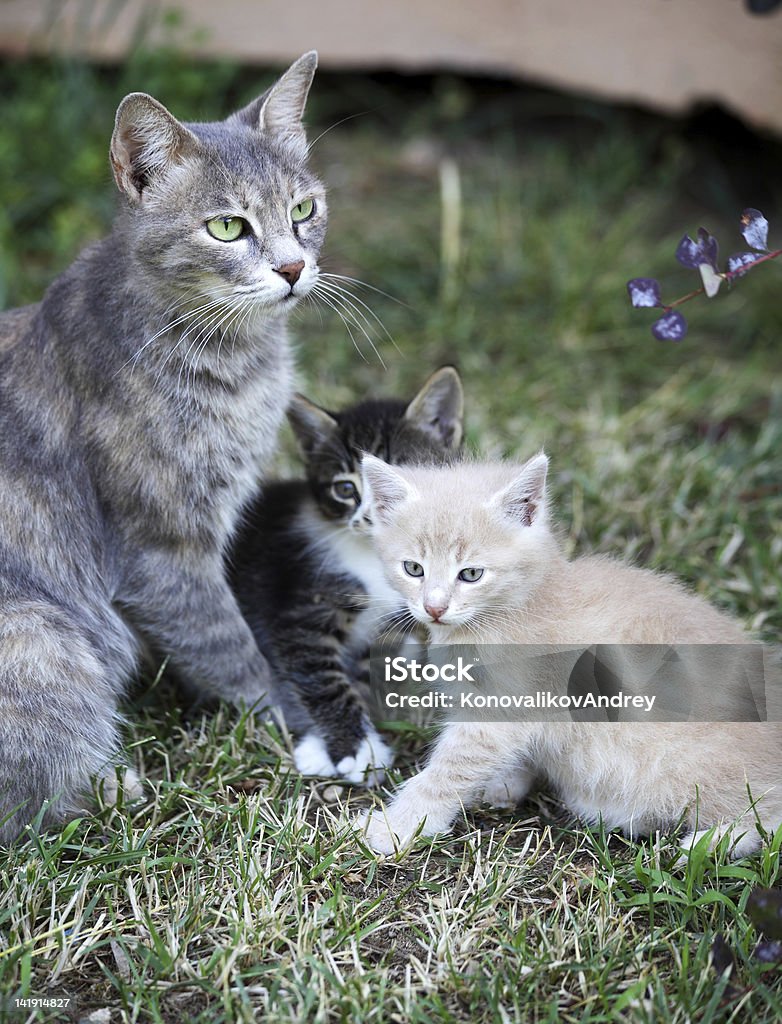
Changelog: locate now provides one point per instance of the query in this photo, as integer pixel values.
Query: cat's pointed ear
(311, 424)
(438, 408)
(524, 498)
(280, 109)
(147, 140)
(383, 489)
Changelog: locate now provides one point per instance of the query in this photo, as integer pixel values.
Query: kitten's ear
(147, 140)
(311, 424)
(523, 499)
(383, 488)
(280, 109)
(438, 408)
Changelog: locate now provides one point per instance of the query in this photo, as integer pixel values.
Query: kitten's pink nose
(290, 271)
(436, 610)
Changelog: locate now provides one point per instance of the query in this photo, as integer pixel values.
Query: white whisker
(336, 124)
(216, 316)
(348, 317)
(364, 284)
(224, 323)
(170, 326)
(199, 325)
(350, 297)
(339, 313)
(356, 314)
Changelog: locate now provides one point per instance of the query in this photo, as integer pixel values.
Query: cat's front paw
(127, 781)
(742, 843)
(395, 827)
(379, 835)
(312, 758)
(368, 765)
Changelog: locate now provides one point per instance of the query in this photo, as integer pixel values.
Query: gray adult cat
(139, 403)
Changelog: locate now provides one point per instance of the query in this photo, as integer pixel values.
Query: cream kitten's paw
(743, 846)
(507, 790)
(132, 787)
(367, 766)
(378, 834)
(395, 827)
(312, 758)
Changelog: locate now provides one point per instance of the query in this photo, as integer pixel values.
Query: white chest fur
(346, 552)
(354, 554)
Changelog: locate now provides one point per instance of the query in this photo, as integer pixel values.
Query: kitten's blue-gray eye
(413, 568)
(344, 490)
(470, 575)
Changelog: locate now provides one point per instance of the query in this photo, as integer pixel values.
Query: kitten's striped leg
(373, 756)
(345, 743)
(369, 763)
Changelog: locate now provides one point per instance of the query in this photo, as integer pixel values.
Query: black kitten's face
(427, 431)
(378, 427)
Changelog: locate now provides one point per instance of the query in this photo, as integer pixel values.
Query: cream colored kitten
(470, 550)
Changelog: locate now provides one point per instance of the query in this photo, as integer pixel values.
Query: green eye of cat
(413, 568)
(226, 229)
(470, 575)
(345, 490)
(303, 211)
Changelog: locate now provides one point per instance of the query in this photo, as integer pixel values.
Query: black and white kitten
(308, 581)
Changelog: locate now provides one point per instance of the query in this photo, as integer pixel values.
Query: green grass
(238, 892)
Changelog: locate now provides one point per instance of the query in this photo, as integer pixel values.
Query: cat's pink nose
(436, 610)
(291, 271)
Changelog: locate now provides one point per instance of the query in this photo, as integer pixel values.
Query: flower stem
(729, 275)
